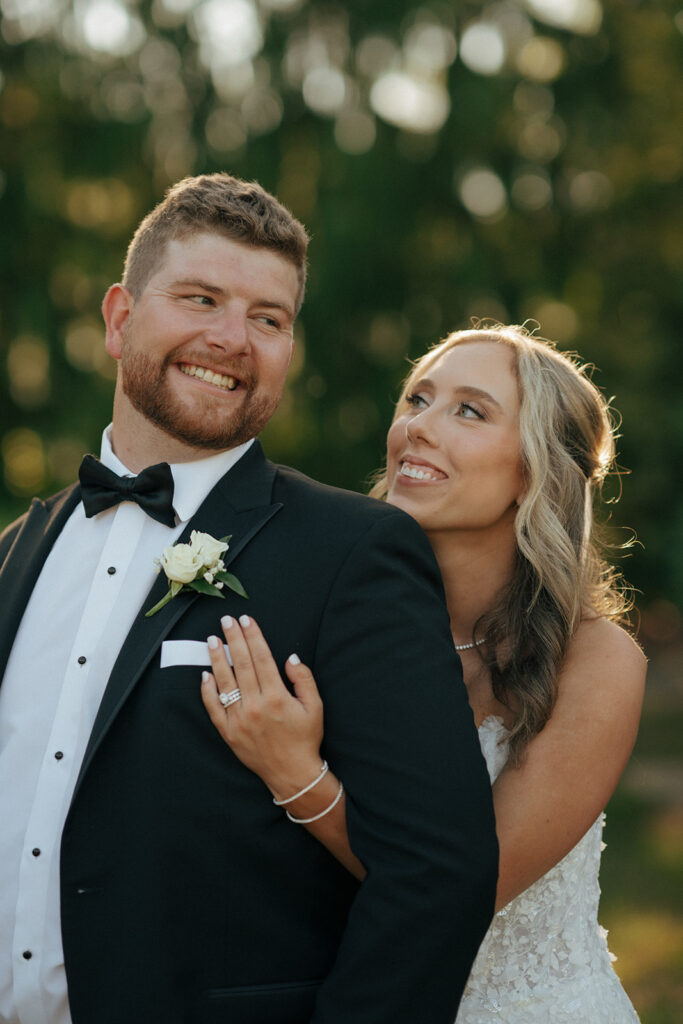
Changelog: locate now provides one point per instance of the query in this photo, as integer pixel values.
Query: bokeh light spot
(233, 81)
(262, 111)
(541, 60)
(229, 31)
(388, 337)
(84, 344)
(558, 320)
(541, 138)
(530, 98)
(107, 26)
(582, 16)
(25, 19)
(429, 47)
(24, 460)
(225, 131)
(28, 367)
(531, 190)
(64, 456)
(486, 308)
(590, 190)
(108, 203)
(409, 103)
(482, 48)
(482, 193)
(376, 54)
(324, 89)
(355, 132)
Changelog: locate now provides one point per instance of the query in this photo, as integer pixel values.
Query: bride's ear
(117, 307)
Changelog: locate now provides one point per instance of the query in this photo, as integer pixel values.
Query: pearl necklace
(469, 646)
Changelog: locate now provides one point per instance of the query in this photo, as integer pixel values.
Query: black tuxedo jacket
(187, 897)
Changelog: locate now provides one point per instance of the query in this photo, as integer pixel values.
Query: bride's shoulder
(604, 657)
(597, 635)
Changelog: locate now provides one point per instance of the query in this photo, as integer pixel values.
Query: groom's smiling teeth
(419, 472)
(221, 380)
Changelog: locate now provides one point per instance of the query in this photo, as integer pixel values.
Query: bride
(498, 448)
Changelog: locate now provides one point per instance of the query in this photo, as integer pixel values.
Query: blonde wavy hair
(567, 439)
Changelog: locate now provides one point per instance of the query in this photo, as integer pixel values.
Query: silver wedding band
(227, 699)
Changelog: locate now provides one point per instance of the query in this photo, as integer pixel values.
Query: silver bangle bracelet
(306, 789)
(307, 821)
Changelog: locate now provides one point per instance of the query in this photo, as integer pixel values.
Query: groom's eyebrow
(195, 282)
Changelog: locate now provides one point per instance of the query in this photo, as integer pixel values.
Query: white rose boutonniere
(196, 566)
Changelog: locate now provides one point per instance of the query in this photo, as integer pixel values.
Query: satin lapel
(239, 505)
(43, 523)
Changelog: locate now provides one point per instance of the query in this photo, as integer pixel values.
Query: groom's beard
(207, 422)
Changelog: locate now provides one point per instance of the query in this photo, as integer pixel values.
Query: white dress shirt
(90, 589)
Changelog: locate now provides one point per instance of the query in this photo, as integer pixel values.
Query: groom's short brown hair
(240, 210)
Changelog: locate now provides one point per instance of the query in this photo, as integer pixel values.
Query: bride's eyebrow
(477, 393)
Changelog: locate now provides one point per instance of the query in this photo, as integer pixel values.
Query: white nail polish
(205, 676)
(294, 659)
(244, 620)
(213, 642)
(226, 622)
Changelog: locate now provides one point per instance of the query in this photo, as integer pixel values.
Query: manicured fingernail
(226, 622)
(205, 677)
(244, 621)
(213, 642)
(294, 659)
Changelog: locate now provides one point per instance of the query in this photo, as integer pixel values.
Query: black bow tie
(152, 489)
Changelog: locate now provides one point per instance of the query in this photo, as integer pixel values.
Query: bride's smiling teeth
(221, 380)
(418, 472)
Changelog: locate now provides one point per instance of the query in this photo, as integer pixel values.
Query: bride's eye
(469, 412)
(416, 401)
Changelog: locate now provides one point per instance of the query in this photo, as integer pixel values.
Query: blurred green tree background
(517, 160)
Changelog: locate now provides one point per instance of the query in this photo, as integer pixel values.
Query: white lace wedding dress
(544, 960)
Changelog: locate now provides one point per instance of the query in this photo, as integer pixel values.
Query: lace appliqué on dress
(544, 960)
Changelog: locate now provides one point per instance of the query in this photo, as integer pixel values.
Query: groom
(145, 875)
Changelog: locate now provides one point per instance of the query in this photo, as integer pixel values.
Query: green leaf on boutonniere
(202, 587)
(232, 582)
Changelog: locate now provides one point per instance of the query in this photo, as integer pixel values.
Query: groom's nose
(229, 332)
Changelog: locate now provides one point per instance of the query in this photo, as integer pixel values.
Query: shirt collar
(192, 481)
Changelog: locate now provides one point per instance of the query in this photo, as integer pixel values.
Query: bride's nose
(421, 427)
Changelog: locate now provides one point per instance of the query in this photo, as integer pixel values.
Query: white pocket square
(188, 652)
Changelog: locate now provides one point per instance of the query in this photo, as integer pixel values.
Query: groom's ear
(117, 307)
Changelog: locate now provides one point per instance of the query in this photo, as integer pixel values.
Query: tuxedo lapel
(239, 506)
(43, 523)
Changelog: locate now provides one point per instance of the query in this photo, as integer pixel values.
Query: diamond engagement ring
(227, 699)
